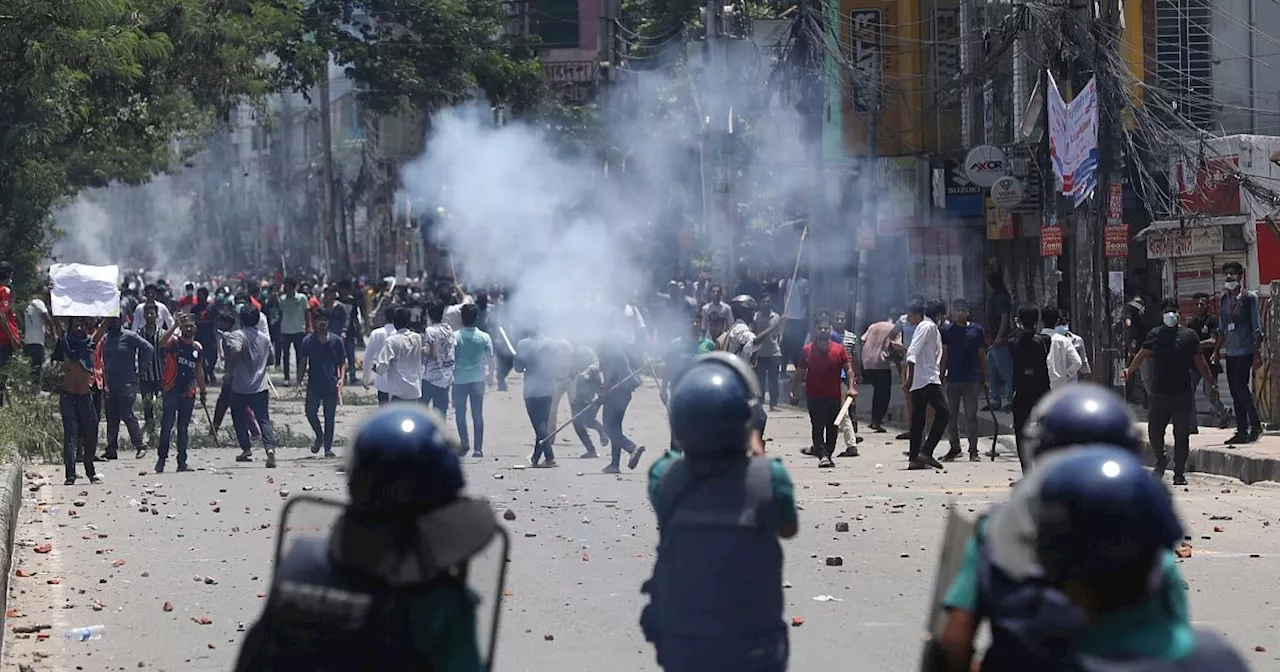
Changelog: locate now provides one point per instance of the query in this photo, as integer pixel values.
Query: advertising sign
(867, 45)
(1050, 241)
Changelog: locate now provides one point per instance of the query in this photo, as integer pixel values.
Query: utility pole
(870, 211)
(1108, 338)
(327, 219)
(715, 77)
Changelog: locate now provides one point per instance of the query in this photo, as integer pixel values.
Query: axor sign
(985, 164)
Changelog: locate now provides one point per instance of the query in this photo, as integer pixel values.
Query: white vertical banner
(1058, 138)
(1082, 157)
(1073, 140)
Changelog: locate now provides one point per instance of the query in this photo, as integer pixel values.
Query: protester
(1242, 323)
(324, 356)
(182, 379)
(76, 350)
(473, 365)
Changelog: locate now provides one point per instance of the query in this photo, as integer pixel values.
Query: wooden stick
(791, 286)
(844, 410)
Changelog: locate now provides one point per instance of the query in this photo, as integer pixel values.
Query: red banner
(1116, 240)
(1050, 241)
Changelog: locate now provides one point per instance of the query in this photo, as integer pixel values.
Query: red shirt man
(819, 367)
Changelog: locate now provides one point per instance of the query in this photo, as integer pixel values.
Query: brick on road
(583, 544)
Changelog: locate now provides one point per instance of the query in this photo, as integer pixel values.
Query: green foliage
(415, 55)
(96, 91)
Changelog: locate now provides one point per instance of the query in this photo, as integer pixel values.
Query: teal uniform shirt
(784, 491)
(1157, 627)
(444, 626)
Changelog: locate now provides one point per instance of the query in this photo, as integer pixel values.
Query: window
(556, 23)
(1184, 59)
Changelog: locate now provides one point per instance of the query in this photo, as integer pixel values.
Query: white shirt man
(925, 352)
(1064, 360)
(401, 360)
(34, 320)
(377, 340)
(164, 319)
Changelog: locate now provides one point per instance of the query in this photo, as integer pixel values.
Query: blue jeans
(539, 410)
(1000, 372)
(175, 408)
(473, 393)
(323, 395)
(241, 406)
(615, 409)
(438, 397)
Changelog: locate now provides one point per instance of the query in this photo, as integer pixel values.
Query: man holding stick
(818, 368)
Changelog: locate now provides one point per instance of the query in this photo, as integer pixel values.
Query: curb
(10, 503)
(1216, 460)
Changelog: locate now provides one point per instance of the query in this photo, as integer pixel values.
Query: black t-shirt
(1174, 350)
(1205, 328)
(1029, 352)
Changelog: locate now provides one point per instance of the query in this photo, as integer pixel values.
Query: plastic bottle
(86, 633)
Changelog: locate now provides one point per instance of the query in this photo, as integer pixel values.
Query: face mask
(1170, 319)
(1231, 284)
(1061, 329)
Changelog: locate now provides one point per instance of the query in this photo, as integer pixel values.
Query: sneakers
(95, 479)
(1179, 479)
(611, 469)
(589, 455)
(159, 466)
(245, 456)
(315, 446)
(474, 453)
(952, 455)
(330, 454)
(183, 467)
(271, 459)
(547, 464)
(851, 451)
(826, 463)
(635, 457)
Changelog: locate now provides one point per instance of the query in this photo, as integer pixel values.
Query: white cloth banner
(80, 290)
(1073, 140)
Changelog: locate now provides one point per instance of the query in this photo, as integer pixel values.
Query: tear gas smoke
(147, 226)
(514, 213)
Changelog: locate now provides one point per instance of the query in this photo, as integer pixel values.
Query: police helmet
(713, 404)
(1079, 414)
(1101, 512)
(743, 307)
(403, 459)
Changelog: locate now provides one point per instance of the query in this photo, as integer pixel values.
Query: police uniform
(387, 590)
(717, 507)
(712, 516)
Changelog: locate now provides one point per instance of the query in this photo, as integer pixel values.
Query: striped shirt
(150, 367)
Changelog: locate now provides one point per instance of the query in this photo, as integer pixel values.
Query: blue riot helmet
(1080, 414)
(1100, 513)
(713, 405)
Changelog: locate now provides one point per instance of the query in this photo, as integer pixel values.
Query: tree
(416, 56)
(96, 91)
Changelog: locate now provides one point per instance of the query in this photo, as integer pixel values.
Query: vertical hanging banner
(1050, 241)
(1073, 140)
(1116, 234)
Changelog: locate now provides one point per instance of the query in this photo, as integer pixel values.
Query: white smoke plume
(515, 213)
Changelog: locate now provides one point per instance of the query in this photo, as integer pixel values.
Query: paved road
(202, 542)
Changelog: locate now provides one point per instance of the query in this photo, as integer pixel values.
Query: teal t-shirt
(293, 313)
(444, 625)
(1159, 626)
(784, 491)
(471, 346)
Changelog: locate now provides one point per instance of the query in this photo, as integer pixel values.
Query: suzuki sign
(985, 164)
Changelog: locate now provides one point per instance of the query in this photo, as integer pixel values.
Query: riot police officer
(1104, 527)
(720, 503)
(387, 590)
(1000, 579)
